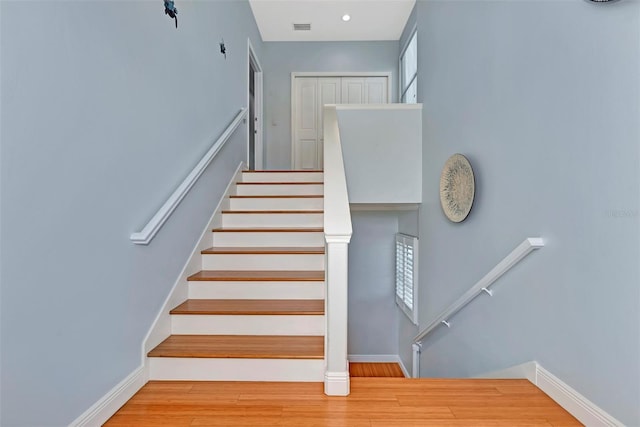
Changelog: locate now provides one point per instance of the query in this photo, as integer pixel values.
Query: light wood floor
(373, 402)
(388, 370)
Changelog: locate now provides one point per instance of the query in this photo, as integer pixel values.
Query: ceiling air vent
(301, 27)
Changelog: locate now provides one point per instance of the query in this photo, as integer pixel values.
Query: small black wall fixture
(171, 10)
(223, 49)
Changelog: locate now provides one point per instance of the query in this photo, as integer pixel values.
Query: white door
(365, 90)
(328, 93)
(353, 89)
(376, 90)
(310, 95)
(306, 127)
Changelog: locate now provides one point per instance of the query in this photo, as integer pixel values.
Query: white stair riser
(282, 177)
(272, 220)
(238, 324)
(208, 369)
(268, 239)
(256, 290)
(298, 204)
(280, 190)
(263, 262)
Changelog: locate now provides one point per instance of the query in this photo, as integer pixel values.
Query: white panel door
(353, 90)
(309, 97)
(306, 123)
(329, 91)
(376, 90)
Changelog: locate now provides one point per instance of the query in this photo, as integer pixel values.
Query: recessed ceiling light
(346, 17)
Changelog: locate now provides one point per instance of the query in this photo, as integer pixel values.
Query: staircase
(256, 311)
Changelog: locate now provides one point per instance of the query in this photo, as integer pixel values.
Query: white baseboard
(404, 368)
(336, 383)
(379, 358)
(576, 404)
(109, 404)
(564, 395)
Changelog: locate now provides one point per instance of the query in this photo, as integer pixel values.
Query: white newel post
(336, 377)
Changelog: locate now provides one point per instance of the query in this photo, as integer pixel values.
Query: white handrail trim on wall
(157, 221)
(521, 251)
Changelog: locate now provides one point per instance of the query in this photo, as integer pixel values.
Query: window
(407, 275)
(409, 71)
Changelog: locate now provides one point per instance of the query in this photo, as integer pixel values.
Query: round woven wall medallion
(457, 188)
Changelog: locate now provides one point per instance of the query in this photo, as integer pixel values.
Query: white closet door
(329, 91)
(376, 90)
(306, 124)
(353, 90)
(311, 94)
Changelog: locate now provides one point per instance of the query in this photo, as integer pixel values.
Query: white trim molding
(258, 113)
(109, 404)
(576, 404)
(149, 231)
(562, 393)
(336, 383)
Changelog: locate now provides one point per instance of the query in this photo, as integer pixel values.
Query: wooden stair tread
(250, 307)
(241, 347)
(276, 212)
(280, 196)
(258, 276)
(258, 250)
(375, 370)
(282, 183)
(268, 230)
(284, 171)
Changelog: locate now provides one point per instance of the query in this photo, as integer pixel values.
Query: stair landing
(374, 402)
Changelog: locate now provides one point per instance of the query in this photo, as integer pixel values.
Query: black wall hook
(223, 49)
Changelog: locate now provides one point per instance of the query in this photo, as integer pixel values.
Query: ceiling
(370, 19)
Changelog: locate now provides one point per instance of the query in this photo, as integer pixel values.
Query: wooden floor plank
(387, 370)
(282, 183)
(258, 276)
(268, 230)
(241, 347)
(400, 404)
(264, 250)
(280, 196)
(250, 307)
(283, 171)
(274, 212)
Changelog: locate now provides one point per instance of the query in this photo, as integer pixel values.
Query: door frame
(320, 74)
(252, 59)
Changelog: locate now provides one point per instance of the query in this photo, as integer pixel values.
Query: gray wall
(543, 98)
(105, 109)
(283, 58)
(373, 314)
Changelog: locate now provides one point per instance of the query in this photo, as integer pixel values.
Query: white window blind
(409, 72)
(407, 275)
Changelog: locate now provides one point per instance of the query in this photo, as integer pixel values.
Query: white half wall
(382, 150)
